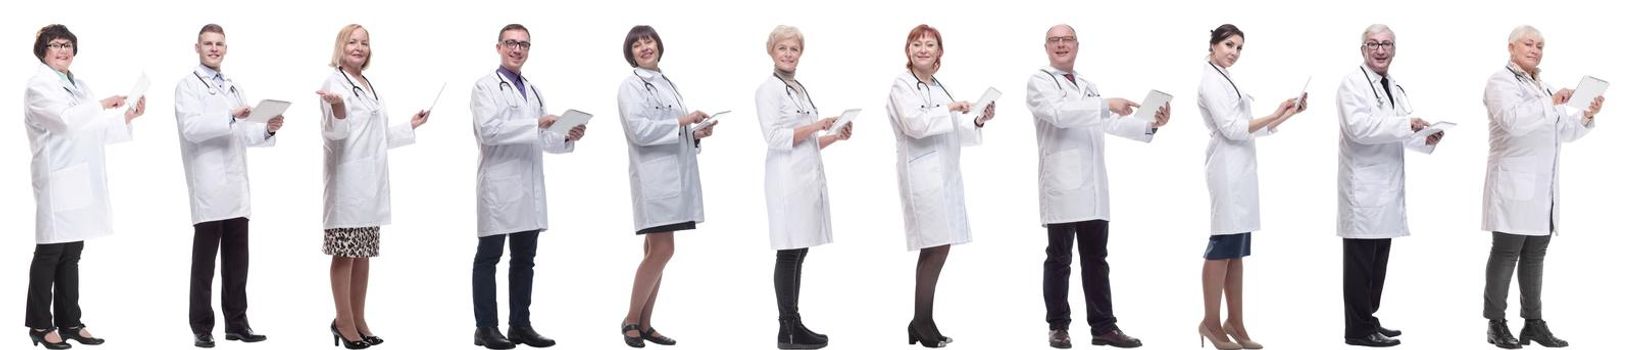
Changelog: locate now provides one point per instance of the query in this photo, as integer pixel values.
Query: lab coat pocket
(1065, 170)
(503, 193)
(925, 178)
(1516, 185)
(356, 185)
(1370, 186)
(70, 188)
(660, 177)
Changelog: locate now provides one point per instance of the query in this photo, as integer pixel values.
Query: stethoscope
(789, 89)
(1062, 88)
(356, 90)
(928, 91)
(1522, 78)
(1391, 99)
(653, 90)
(232, 89)
(1227, 79)
(504, 84)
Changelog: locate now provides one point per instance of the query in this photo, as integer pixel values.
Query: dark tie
(1389, 92)
(1071, 78)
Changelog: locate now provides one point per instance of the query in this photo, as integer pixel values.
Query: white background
(718, 292)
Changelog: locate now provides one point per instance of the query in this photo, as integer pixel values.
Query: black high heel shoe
(39, 338)
(359, 344)
(928, 340)
(372, 340)
(635, 341)
(72, 333)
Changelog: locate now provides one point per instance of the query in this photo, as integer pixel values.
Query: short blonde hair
(1523, 31)
(784, 33)
(340, 46)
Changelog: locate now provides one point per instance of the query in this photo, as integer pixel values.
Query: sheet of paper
(438, 98)
(980, 105)
(710, 121)
(1153, 101)
(1420, 140)
(266, 110)
(137, 92)
(1589, 89)
(844, 118)
(1304, 90)
(569, 120)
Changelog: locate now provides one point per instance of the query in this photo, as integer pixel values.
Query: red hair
(923, 31)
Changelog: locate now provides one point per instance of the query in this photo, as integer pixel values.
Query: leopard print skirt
(357, 242)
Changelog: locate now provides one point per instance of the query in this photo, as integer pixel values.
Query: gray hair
(1523, 31)
(1375, 29)
(781, 33)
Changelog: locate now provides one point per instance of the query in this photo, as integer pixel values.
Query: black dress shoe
(373, 340)
(1116, 338)
(68, 333)
(1389, 332)
(39, 338)
(1059, 339)
(1497, 334)
(526, 335)
(1538, 330)
(635, 341)
(1376, 340)
(203, 340)
(489, 337)
(652, 335)
(246, 335)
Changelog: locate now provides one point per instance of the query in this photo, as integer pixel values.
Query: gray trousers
(1507, 250)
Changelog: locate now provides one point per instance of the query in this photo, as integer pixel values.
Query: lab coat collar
(67, 79)
(1374, 77)
(208, 73)
(647, 73)
(1057, 71)
(1516, 68)
(1217, 67)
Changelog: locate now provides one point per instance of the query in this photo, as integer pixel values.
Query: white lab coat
(1373, 132)
(928, 141)
(356, 176)
(510, 175)
(663, 176)
(213, 146)
(1522, 182)
(1232, 160)
(796, 191)
(67, 129)
(1071, 119)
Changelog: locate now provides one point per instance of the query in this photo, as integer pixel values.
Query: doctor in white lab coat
(930, 128)
(1528, 124)
(1072, 119)
(210, 109)
(67, 131)
(796, 191)
(1375, 124)
(509, 119)
(1233, 182)
(356, 179)
(667, 195)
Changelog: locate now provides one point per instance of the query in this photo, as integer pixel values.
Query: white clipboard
(711, 120)
(438, 98)
(137, 91)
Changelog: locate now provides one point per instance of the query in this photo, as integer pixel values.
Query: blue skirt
(1232, 246)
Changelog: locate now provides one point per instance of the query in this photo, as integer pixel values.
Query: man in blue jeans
(511, 131)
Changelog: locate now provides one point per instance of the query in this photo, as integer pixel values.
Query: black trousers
(231, 238)
(523, 246)
(1366, 263)
(1508, 250)
(1057, 270)
(786, 281)
(55, 268)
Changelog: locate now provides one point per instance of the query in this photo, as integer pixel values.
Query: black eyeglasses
(1374, 45)
(517, 44)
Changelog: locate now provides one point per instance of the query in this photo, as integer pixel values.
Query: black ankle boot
(489, 337)
(1538, 330)
(792, 335)
(801, 324)
(1497, 334)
